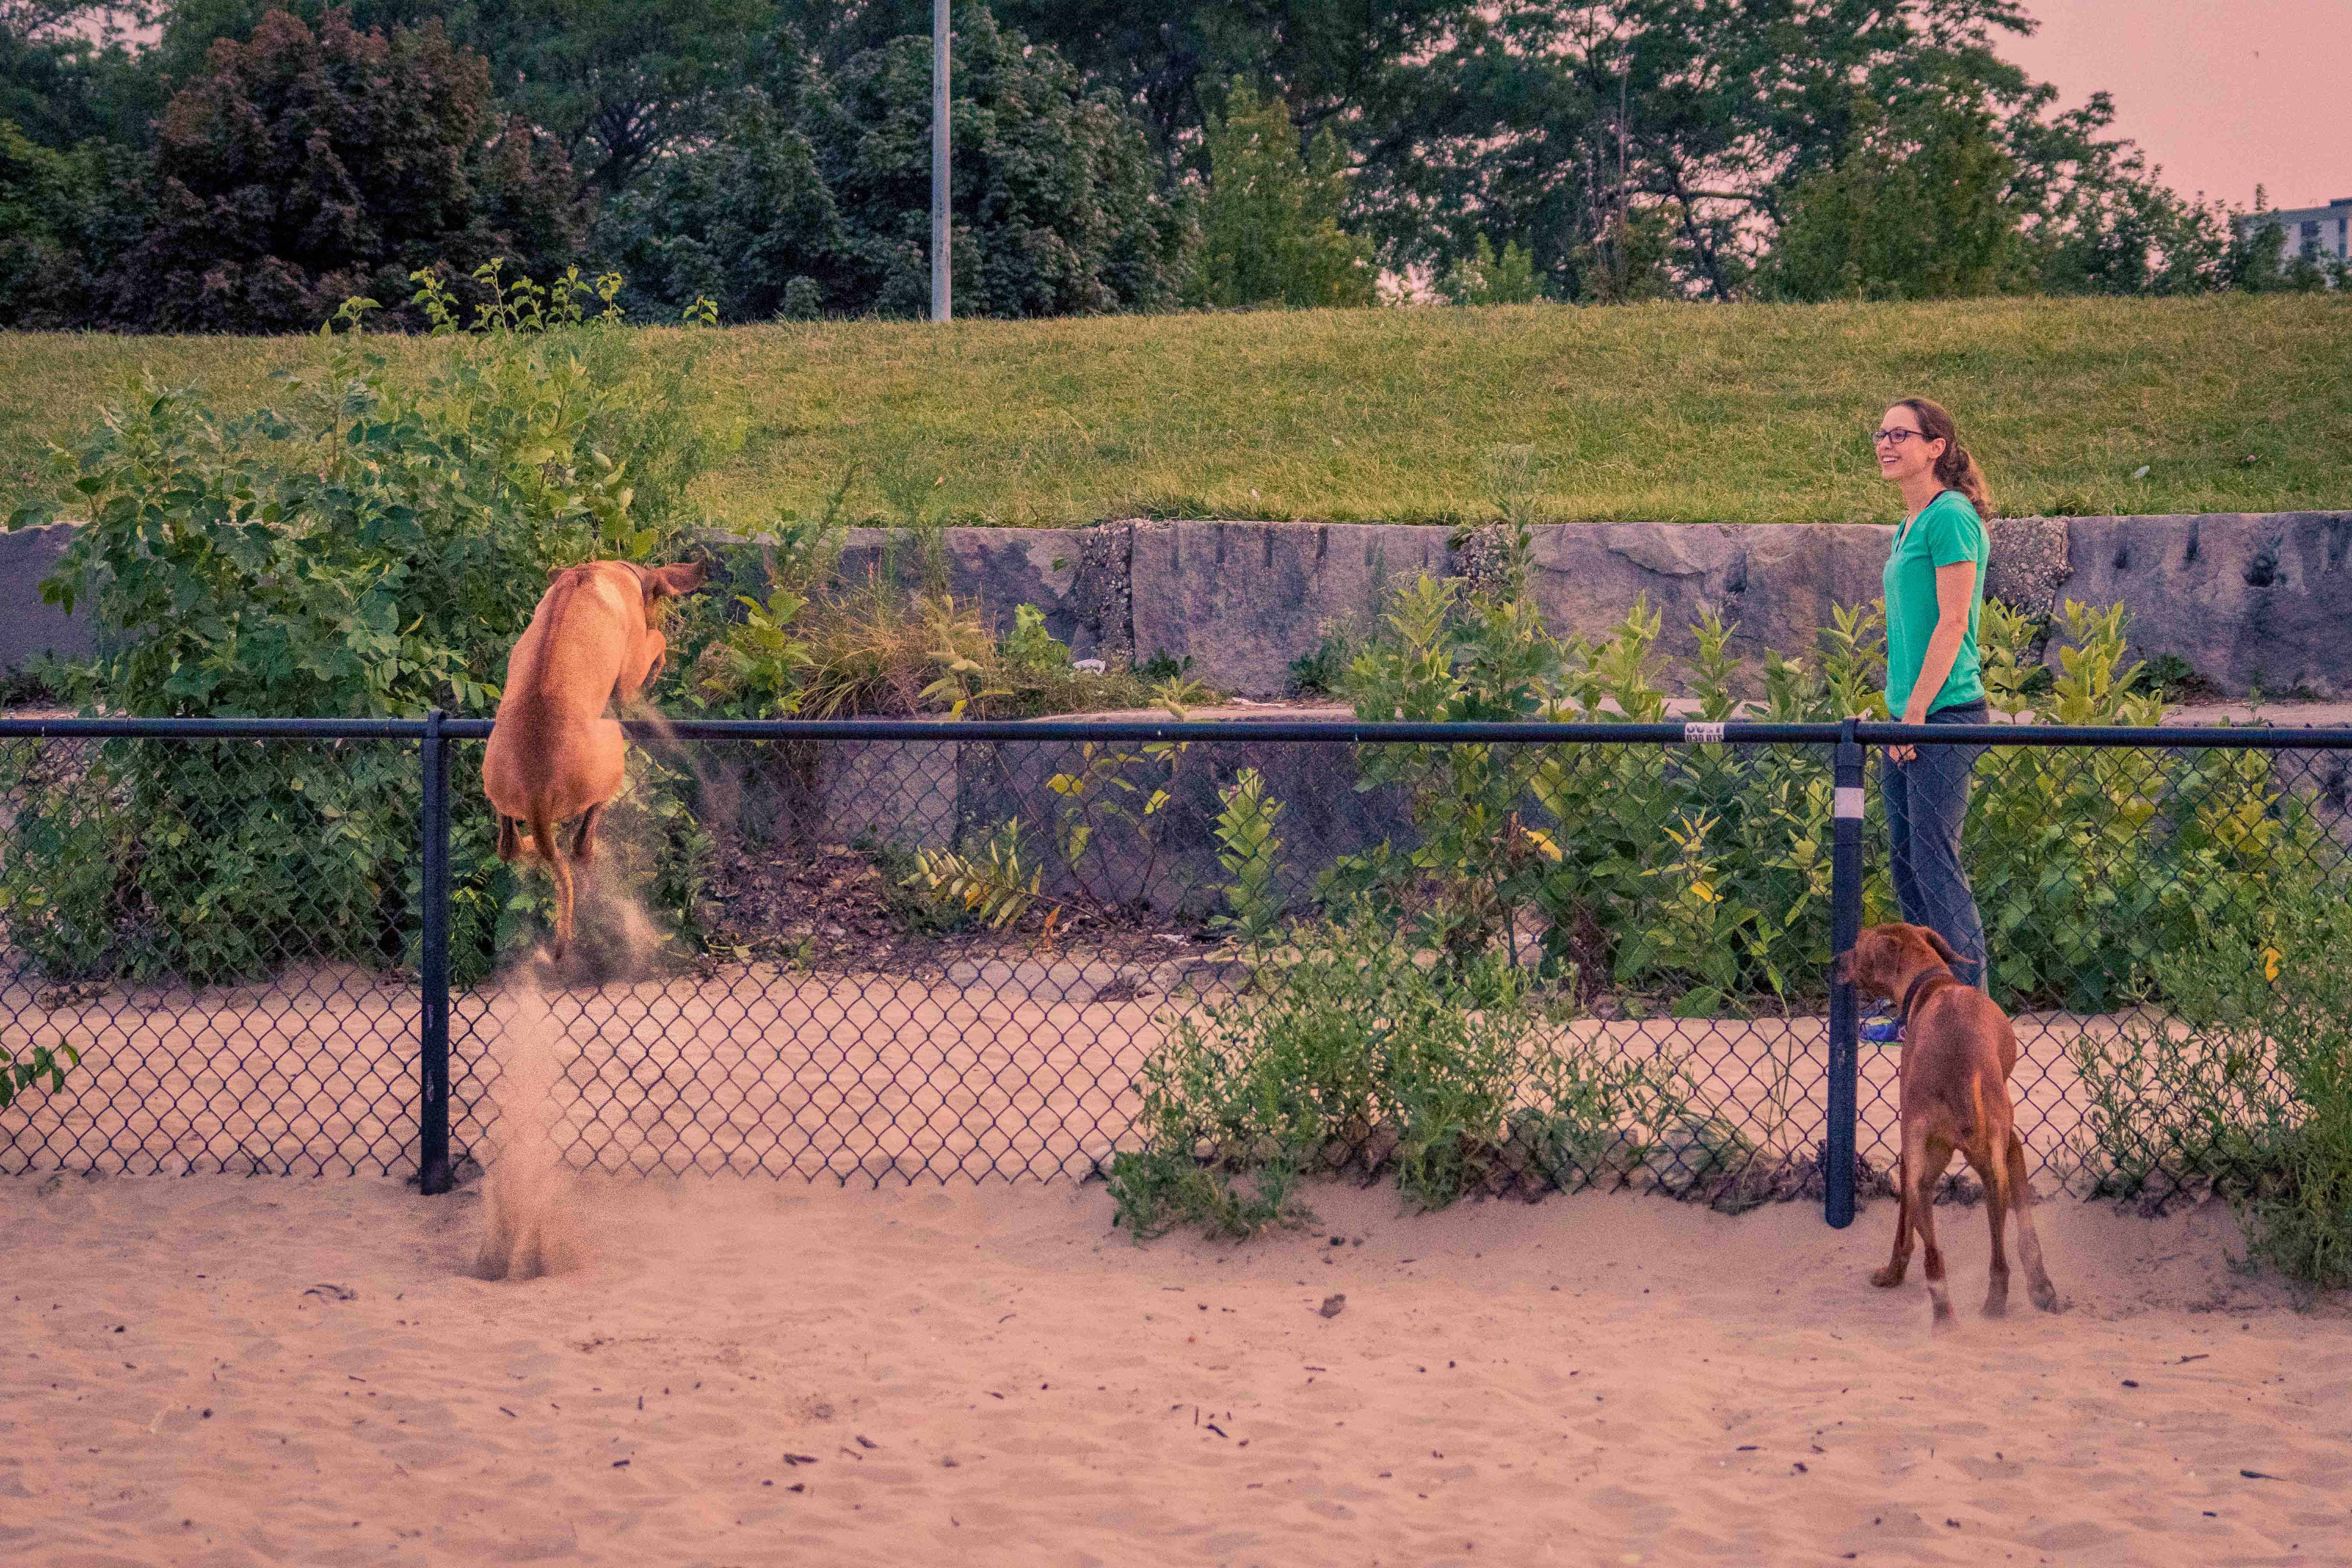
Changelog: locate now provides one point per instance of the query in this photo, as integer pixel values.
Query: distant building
(2318, 233)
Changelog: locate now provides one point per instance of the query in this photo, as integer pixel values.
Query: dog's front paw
(1888, 1278)
(2045, 1296)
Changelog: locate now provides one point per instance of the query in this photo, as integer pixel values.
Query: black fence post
(1845, 927)
(433, 969)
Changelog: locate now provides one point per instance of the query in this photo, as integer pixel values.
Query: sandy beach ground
(215, 1369)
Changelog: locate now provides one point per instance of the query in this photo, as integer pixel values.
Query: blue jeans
(1926, 802)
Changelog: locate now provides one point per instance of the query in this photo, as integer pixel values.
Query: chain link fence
(1503, 957)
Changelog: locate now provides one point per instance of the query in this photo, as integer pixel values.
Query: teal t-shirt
(1948, 530)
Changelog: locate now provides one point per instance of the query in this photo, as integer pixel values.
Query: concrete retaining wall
(2246, 599)
(29, 629)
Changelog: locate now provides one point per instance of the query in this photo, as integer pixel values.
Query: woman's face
(1903, 452)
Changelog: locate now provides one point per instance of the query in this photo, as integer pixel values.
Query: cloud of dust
(532, 1211)
(532, 1224)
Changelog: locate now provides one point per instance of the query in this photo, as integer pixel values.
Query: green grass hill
(1731, 413)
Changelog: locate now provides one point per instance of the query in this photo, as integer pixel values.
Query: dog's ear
(1943, 949)
(555, 571)
(666, 581)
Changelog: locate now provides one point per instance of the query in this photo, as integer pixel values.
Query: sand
(217, 1371)
(760, 1069)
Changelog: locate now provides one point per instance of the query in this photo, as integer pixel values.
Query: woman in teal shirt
(1935, 586)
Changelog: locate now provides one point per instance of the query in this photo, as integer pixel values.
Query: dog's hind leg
(2029, 1241)
(542, 833)
(584, 838)
(1886, 1278)
(1923, 1163)
(1991, 1166)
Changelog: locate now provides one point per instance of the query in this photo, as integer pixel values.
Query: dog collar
(1911, 992)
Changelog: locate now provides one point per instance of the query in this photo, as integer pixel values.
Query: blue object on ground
(1881, 1031)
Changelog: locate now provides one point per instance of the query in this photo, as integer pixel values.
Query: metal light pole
(939, 277)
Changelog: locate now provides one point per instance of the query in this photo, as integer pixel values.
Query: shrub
(1484, 279)
(1270, 230)
(357, 550)
(1703, 873)
(2246, 1087)
(2089, 865)
(828, 650)
(1351, 1052)
(300, 168)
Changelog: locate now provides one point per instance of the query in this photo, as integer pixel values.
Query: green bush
(2091, 865)
(1702, 874)
(1349, 1051)
(2242, 1084)
(358, 550)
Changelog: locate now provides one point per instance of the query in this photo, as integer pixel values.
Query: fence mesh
(226, 932)
(1487, 967)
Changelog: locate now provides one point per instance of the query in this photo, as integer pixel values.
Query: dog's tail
(543, 837)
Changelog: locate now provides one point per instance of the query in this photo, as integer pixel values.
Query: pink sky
(2225, 94)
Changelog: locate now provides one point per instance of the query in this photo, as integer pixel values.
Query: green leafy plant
(1348, 1051)
(996, 886)
(1250, 855)
(765, 657)
(1121, 793)
(361, 548)
(1029, 647)
(2242, 1084)
(1455, 656)
(22, 1067)
(1322, 672)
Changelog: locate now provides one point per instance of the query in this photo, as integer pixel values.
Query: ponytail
(1956, 469)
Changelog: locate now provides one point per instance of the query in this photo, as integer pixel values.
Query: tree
(1561, 124)
(1485, 278)
(1172, 59)
(69, 73)
(612, 82)
(615, 81)
(826, 176)
(66, 217)
(1271, 232)
(741, 220)
(1916, 209)
(1054, 200)
(305, 168)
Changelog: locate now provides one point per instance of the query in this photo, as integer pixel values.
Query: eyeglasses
(1894, 437)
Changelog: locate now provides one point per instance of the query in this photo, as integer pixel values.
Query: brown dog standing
(553, 755)
(1957, 1051)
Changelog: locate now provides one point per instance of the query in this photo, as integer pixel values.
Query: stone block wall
(2246, 599)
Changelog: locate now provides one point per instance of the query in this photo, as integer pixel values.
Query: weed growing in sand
(1347, 1050)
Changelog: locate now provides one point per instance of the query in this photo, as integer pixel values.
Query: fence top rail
(1287, 731)
(231, 728)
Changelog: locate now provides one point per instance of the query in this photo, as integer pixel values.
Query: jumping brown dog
(552, 753)
(1957, 1051)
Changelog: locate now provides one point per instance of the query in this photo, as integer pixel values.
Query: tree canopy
(743, 149)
